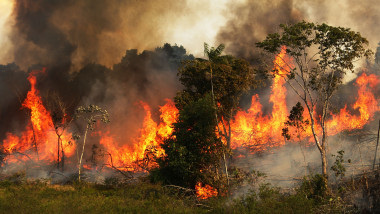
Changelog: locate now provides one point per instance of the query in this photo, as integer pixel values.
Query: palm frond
(206, 49)
(218, 51)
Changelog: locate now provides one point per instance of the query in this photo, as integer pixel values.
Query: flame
(251, 128)
(39, 135)
(128, 156)
(366, 103)
(205, 192)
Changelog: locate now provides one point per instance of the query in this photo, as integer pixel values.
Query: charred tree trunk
(35, 143)
(62, 158)
(58, 152)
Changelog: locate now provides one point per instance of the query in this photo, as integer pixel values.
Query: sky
(5, 12)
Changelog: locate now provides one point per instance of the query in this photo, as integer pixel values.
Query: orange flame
(205, 192)
(151, 135)
(250, 128)
(256, 131)
(39, 135)
(366, 103)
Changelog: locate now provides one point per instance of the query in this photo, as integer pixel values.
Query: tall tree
(225, 77)
(321, 55)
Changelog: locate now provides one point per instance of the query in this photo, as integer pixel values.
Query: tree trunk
(81, 156)
(324, 163)
(62, 158)
(58, 151)
(377, 145)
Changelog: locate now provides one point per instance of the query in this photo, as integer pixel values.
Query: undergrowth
(18, 195)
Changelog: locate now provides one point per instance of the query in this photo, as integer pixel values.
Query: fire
(205, 192)
(38, 141)
(251, 128)
(133, 156)
(366, 103)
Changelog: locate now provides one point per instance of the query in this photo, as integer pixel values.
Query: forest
(289, 123)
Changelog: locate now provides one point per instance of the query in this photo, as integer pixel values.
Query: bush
(314, 187)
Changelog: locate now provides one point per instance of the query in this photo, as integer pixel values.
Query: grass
(142, 197)
(89, 198)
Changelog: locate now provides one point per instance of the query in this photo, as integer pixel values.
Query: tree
(297, 122)
(225, 77)
(193, 151)
(61, 121)
(90, 114)
(321, 55)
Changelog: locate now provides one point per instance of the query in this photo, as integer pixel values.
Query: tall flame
(256, 131)
(250, 129)
(366, 103)
(39, 140)
(127, 155)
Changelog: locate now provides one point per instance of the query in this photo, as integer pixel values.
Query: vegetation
(90, 114)
(90, 198)
(61, 122)
(193, 151)
(225, 77)
(196, 150)
(321, 55)
(141, 197)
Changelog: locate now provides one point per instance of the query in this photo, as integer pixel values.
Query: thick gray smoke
(250, 21)
(83, 44)
(74, 33)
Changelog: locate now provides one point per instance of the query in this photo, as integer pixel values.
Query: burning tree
(321, 55)
(61, 122)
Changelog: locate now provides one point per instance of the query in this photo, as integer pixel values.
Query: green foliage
(314, 187)
(338, 166)
(231, 77)
(89, 198)
(296, 120)
(213, 53)
(320, 55)
(267, 199)
(140, 197)
(193, 151)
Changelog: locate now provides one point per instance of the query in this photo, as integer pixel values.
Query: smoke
(250, 21)
(75, 33)
(83, 45)
(287, 165)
